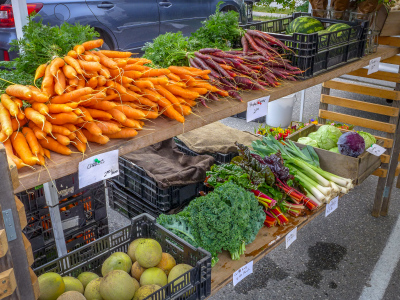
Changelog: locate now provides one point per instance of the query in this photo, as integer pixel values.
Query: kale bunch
(226, 219)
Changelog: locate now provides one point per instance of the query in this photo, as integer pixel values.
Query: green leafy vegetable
(328, 136)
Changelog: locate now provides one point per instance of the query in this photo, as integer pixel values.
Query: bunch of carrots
(93, 95)
(261, 64)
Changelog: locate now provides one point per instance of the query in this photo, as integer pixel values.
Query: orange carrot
(21, 147)
(17, 125)
(9, 151)
(108, 127)
(176, 90)
(40, 72)
(201, 91)
(59, 85)
(72, 104)
(104, 105)
(110, 97)
(47, 128)
(20, 116)
(61, 130)
(55, 65)
(32, 140)
(47, 83)
(79, 49)
(41, 158)
(189, 102)
(39, 96)
(134, 67)
(125, 133)
(62, 118)
(174, 77)
(116, 54)
(156, 72)
(133, 74)
(92, 82)
(93, 128)
(81, 136)
(71, 96)
(81, 82)
(37, 131)
(115, 85)
(117, 115)
(79, 145)
(124, 80)
(5, 121)
(92, 99)
(95, 113)
(72, 53)
(152, 95)
(40, 107)
(105, 72)
(70, 88)
(167, 94)
(69, 72)
(53, 145)
(170, 112)
(73, 81)
(90, 57)
(19, 91)
(59, 108)
(62, 139)
(106, 61)
(130, 112)
(184, 110)
(131, 123)
(73, 63)
(121, 63)
(144, 84)
(46, 152)
(93, 44)
(89, 66)
(35, 116)
(101, 80)
(86, 114)
(134, 88)
(102, 139)
(9, 104)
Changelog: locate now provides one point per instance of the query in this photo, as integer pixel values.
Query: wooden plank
(357, 121)
(16, 246)
(21, 212)
(28, 250)
(385, 158)
(380, 172)
(267, 239)
(398, 182)
(361, 105)
(397, 172)
(8, 284)
(389, 40)
(380, 75)
(35, 283)
(65, 165)
(3, 243)
(392, 25)
(387, 143)
(362, 89)
(394, 60)
(13, 171)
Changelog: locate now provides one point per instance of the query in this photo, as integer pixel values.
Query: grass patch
(275, 10)
(262, 18)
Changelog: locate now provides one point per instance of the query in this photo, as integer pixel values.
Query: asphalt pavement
(334, 257)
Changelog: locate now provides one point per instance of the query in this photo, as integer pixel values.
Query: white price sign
(242, 273)
(373, 65)
(98, 167)
(291, 237)
(257, 108)
(376, 150)
(331, 206)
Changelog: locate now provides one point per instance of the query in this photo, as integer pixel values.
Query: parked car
(123, 24)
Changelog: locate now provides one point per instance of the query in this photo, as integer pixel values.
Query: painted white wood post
(20, 11)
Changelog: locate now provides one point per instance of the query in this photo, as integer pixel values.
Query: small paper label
(376, 150)
(242, 273)
(67, 191)
(257, 108)
(98, 167)
(331, 206)
(70, 223)
(373, 65)
(291, 237)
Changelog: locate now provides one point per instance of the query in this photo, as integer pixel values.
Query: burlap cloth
(216, 138)
(168, 166)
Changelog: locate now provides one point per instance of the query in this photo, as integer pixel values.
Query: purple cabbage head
(351, 144)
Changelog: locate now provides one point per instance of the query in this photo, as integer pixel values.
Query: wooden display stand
(18, 258)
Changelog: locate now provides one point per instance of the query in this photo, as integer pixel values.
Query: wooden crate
(357, 169)
(392, 24)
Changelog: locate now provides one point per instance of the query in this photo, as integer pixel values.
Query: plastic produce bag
(367, 6)
(319, 4)
(340, 5)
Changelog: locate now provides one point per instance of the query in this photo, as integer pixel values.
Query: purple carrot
(248, 83)
(204, 66)
(256, 47)
(203, 101)
(209, 50)
(218, 68)
(236, 95)
(245, 45)
(211, 96)
(234, 52)
(193, 63)
(227, 83)
(217, 59)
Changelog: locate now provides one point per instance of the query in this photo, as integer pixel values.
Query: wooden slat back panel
(394, 60)
(362, 89)
(380, 75)
(397, 171)
(380, 172)
(387, 143)
(357, 121)
(385, 158)
(361, 105)
(389, 41)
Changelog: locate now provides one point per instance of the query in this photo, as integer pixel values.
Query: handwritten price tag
(331, 206)
(242, 273)
(291, 237)
(373, 65)
(376, 150)
(98, 167)
(257, 108)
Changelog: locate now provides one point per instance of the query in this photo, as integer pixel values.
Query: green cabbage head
(328, 136)
(314, 135)
(334, 149)
(369, 139)
(308, 141)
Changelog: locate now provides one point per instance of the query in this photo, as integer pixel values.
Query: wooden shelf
(161, 129)
(267, 239)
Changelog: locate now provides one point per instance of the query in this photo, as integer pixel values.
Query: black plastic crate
(315, 53)
(194, 284)
(135, 180)
(76, 212)
(220, 158)
(34, 199)
(243, 116)
(73, 240)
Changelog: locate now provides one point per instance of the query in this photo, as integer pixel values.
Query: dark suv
(123, 24)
